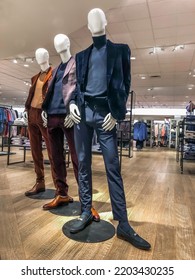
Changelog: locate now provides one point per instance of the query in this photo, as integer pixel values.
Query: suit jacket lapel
(68, 66)
(35, 78)
(47, 76)
(85, 61)
(111, 55)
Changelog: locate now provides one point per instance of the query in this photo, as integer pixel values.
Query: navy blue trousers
(92, 117)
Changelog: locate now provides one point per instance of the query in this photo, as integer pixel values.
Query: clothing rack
(2, 152)
(5, 106)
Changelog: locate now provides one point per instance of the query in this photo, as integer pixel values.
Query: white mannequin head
(42, 58)
(62, 46)
(97, 22)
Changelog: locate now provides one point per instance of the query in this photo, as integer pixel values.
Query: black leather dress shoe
(81, 223)
(132, 237)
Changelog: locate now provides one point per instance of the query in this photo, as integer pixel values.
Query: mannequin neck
(99, 41)
(65, 56)
(44, 66)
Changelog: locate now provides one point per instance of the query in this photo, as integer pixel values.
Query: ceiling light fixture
(156, 50)
(23, 60)
(29, 59)
(27, 84)
(179, 47)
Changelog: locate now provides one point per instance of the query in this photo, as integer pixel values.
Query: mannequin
(32, 117)
(53, 115)
(98, 101)
(62, 46)
(57, 119)
(42, 58)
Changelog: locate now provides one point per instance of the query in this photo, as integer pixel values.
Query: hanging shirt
(140, 131)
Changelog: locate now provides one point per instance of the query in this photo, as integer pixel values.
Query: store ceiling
(142, 24)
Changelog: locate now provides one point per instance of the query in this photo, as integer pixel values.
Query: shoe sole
(97, 220)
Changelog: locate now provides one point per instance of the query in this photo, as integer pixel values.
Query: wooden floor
(160, 202)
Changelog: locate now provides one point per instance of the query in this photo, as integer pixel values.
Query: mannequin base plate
(93, 233)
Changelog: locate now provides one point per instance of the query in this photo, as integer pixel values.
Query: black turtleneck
(96, 85)
(99, 41)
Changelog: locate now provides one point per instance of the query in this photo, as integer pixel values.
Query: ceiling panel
(142, 24)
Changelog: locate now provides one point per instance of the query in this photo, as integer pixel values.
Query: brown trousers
(56, 132)
(36, 131)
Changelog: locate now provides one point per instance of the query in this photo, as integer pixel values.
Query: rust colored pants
(56, 132)
(36, 131)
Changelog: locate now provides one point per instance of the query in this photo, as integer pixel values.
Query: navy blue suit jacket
(118, 77)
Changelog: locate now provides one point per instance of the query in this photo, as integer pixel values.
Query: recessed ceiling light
(133, 57)
(26, 65)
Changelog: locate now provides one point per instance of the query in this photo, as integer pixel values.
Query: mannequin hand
(109, 122)
(74, 113)
(68, 122)
(44, 118)
(25, 117)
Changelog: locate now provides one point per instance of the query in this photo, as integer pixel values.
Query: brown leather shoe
(96, 216)
(57, 201)
(37, 188)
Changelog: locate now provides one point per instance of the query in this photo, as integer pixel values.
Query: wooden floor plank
(160, 204)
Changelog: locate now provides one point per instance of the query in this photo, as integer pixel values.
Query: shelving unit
(125, 132)
(173, 134)
(179, 136)
(187, 141)
(149, 131)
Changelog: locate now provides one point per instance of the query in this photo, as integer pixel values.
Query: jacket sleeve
(74, 95)
(69, 85)
(127, 69)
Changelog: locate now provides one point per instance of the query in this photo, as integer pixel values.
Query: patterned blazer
(68, 84)
(33, 86)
